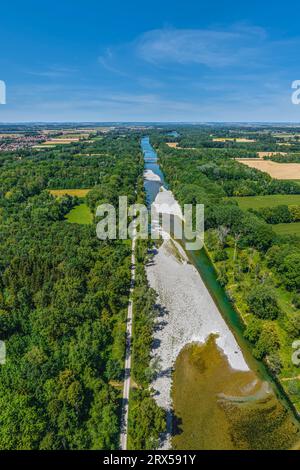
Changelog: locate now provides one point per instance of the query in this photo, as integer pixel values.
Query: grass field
(257, 202)
(70, 192)
(287, 229)
(80, 215)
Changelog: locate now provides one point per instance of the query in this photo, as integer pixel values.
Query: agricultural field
(270, 154)
(64, 139)
(174, 145)
(259, 202)
(281, 171)
(287, 229)
(242, 140)
(69, 192)
(80, 215)
(53, 142)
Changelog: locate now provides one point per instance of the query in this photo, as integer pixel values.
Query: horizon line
(4, 123)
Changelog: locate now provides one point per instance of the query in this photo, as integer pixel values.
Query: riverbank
(187, 314)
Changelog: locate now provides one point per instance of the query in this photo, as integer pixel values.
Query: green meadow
(287, 229)
(258, 202)
(81, 214)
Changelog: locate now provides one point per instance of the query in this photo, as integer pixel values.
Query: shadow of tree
(176, 424)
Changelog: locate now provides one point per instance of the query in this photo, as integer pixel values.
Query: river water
(215, 406)
(150, 157)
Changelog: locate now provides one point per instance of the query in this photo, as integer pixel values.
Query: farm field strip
(281, 171)
(69, 192)
(270, 154)
(174, 145)
(232, 139)
(287, 229)
(259, 202)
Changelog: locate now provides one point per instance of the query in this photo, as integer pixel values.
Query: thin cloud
(52, 71)
(107, 60)
(212, 48)
(239, 46)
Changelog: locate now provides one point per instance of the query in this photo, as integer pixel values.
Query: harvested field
(9, 136)
(269, 154)
(41, 147)
(61, 141)
(73, 136)
(92, 155)
(232, 139)
(280, 171)
(69, 192)
(174, 145)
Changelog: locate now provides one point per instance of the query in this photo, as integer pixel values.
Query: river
(215, 405)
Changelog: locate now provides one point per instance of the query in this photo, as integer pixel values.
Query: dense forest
(63, 297)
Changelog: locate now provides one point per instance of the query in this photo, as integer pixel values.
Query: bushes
(263, 303)
(143, 310)
(275, 215)
(222, 275)
(293, 325)
(296, 300)
(255, 233)
(146, 421)
(291, 271)
(266, 342)
(143, 301)
(220, 255)
(278, 214)
(275, 363)
(295, 212)
(286, 260)
(253, 330)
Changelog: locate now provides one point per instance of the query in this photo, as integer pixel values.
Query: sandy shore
(187, 314)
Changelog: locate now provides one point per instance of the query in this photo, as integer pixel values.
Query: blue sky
(149, 61)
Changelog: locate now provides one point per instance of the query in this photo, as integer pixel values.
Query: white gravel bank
(188, 314)
(151, 176)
